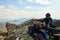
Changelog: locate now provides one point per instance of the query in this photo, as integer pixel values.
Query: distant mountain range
(17, 21)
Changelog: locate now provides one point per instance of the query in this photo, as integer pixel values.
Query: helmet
(48, 14)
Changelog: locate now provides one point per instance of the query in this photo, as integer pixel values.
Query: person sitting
(36, 28)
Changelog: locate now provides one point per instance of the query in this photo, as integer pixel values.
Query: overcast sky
(15, 9)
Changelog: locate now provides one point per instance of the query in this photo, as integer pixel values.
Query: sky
(16, 9)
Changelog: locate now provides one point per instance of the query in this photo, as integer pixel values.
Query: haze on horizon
(15, 9)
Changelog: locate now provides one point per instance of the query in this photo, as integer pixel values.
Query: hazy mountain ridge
(18, 21)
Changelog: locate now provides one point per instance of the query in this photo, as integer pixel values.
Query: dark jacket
(48, 21)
